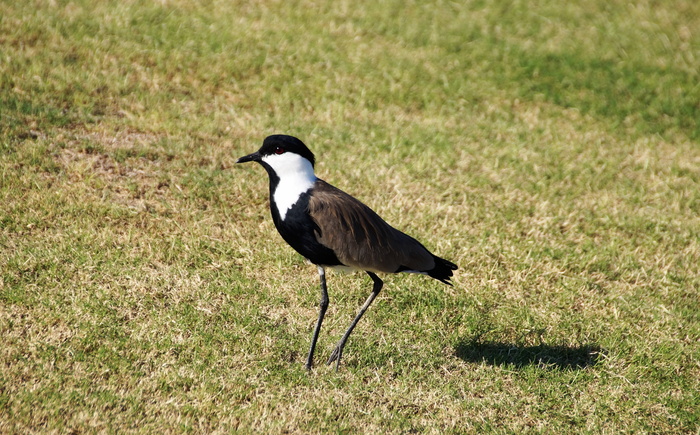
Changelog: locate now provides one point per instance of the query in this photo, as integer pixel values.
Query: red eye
(279, 150)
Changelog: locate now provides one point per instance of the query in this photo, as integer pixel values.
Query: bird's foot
(335, 356)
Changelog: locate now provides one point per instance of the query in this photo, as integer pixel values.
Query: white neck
(296, 176)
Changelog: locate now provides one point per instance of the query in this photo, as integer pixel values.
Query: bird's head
(281, 154)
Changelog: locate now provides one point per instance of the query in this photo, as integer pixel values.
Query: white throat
(296, 177)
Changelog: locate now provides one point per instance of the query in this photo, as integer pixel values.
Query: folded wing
(360, 238)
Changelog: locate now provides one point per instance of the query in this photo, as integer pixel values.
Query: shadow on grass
(543, 355)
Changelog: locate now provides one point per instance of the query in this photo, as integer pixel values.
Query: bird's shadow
(557, 357)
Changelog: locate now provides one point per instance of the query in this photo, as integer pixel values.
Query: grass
(550, 150)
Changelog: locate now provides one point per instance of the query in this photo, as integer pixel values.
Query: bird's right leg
(322, 312)
(338, 351)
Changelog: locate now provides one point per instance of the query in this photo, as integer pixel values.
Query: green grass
(552, 151)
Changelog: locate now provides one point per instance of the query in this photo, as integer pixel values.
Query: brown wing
(359, 237)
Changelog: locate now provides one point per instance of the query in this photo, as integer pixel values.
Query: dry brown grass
(550, 151)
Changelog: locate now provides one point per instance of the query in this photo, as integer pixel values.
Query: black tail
(442, 270)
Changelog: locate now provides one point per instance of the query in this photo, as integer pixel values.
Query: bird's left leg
(338, 351)
(321, 313)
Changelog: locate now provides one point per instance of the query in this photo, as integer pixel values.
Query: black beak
(255, 157)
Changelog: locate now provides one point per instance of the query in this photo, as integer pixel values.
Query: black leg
(321, 313)
(338, 351)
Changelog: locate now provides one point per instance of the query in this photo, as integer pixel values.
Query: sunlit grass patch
(550, 150)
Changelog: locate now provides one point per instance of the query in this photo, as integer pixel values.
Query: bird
(332, 229)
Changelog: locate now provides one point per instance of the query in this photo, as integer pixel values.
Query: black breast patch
(298, 230)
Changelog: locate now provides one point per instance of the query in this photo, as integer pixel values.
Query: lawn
(551, 150)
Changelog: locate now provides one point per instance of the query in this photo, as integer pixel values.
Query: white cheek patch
(296, 177)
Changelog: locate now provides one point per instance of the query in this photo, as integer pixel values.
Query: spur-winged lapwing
(332, 229)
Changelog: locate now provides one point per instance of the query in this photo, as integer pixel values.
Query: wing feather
(359, 237)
